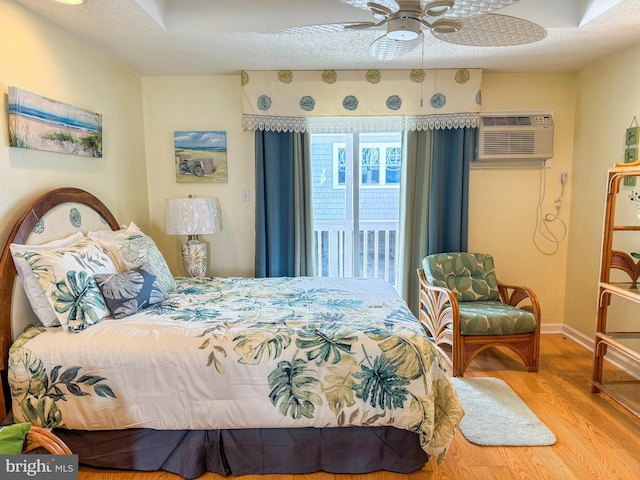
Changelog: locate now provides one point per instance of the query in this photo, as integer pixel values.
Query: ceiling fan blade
(494, 30)
(324, 28)
(380, 10)
(385, 48)
(473, 8)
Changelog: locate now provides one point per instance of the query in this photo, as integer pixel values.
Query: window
(370, 165)
(356, 203)
(380, 163)
(393, 164)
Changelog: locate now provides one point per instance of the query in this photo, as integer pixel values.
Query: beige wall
(609, 99)
(201, 103)
(40, 58)
(503, 202)
(601, 100)
(503, 211)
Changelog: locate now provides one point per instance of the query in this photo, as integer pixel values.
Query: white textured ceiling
(217, 37)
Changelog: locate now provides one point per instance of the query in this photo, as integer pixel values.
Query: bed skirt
(191, 453)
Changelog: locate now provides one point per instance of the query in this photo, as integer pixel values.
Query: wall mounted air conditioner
(515, 139)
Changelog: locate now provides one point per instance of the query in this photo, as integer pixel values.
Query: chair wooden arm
(514, 295)
(42, 438)
(439, 315)
(439, 303)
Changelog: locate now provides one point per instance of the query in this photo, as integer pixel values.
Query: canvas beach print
(44, 124)
(201, 156)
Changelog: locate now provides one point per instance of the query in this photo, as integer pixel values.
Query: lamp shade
(191, 216)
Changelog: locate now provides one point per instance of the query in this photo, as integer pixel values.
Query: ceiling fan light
(446, 25)
(403, 28)
(437, 9)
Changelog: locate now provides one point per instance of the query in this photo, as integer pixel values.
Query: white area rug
(496, 416)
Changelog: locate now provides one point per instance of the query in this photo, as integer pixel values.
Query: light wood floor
(597, 439)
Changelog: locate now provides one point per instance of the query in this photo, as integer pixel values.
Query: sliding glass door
(356, 194)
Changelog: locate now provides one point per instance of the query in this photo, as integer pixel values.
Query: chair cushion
(495, 318)
(470, 276)
(12, 438)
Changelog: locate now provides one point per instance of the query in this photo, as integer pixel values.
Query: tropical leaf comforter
(243, 353)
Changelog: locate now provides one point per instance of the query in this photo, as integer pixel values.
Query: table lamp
(192, 217)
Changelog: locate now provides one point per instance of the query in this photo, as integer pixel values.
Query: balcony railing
(375, 250)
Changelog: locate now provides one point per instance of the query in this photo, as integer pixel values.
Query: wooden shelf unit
(626, 344)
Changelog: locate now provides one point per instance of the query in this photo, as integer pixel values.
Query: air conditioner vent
(504, 120)
(514, 138)
(509, 143)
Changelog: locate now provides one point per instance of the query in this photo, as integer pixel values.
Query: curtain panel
(284, 217)
(360, 100)
(435, 201)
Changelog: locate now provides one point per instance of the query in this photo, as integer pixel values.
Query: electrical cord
(543, 221)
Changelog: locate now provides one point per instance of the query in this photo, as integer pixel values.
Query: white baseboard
(552, 328)
(613, 357)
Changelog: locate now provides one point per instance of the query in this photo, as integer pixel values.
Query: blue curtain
(453, 151)
(284, 219)
(435, 200)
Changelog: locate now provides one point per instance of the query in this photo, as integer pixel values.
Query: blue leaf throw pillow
(129, 292)
(66, 276)
(12, 438)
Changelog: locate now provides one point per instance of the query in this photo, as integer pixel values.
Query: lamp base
(194, 258)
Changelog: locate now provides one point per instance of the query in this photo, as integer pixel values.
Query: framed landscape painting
(41, 123)
(200, 156)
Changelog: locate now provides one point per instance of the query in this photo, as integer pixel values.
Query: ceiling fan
(463, 22)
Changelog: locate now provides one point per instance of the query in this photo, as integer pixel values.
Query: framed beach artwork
(41, 123)
(200, 156)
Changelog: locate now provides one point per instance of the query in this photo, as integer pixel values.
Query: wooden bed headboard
(21, 233)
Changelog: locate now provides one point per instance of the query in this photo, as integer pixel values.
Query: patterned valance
(372, 100)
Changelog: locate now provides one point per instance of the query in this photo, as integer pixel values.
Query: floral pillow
(130, 248)
(67, 277)
(129, 292)
(35, 294)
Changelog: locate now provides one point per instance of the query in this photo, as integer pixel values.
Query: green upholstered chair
(465, 309)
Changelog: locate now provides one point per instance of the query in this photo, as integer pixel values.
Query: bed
(225, 375)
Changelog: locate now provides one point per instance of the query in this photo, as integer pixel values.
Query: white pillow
(131, 248)
(66, 275)
(107, 237)
(35, 294)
